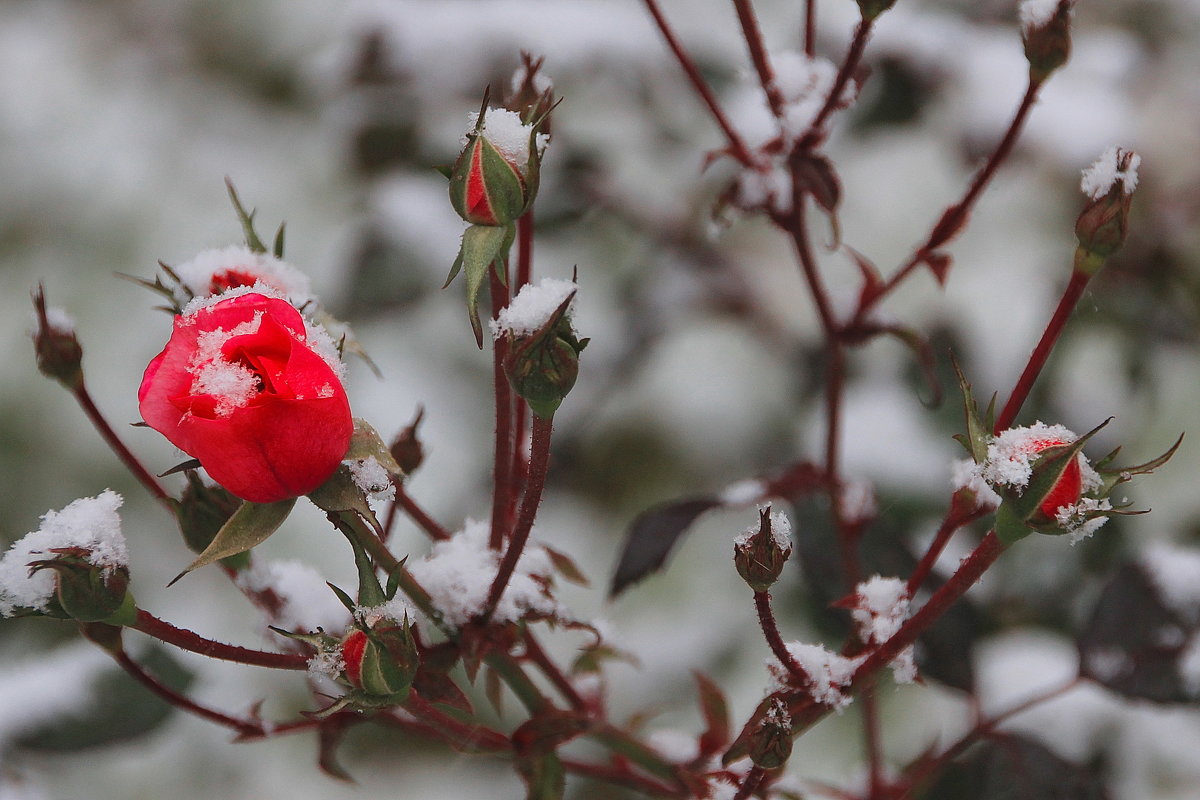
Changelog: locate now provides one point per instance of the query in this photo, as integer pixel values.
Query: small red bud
(760, 556)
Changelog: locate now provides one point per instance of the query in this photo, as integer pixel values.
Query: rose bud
(381, 662)
(759, 554)
(1046, 32)
(543, 357)
(83, 590)
(1104, 222)
(58, 351)
(407, 448)
(253, 392)
(771, 742)
(217, 271)
(495, 177)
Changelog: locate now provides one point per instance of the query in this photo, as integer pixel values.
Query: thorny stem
(520, 464)
(758, 54)
(502, 494)
(751, 782)
(467, 735)
(797, 228)
(932, 766)
(247, 729)
(955, 216)
(737, 147)
(84, 398)
(1037, 359)
(770, 629)
(539, 657)
(873, 739)
(539, 462)
(810, 27)
(164, 631)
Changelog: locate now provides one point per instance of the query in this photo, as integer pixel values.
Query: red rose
(242, 388)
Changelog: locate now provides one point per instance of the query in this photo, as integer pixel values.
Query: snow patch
(533, 307)
(1099, 178)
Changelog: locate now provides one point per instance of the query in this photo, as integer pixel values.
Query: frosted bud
(59, 354)
(760, 555)
(381, 662)
(1104, 222)
(771, 742)
(1046, 31)
(84, 590)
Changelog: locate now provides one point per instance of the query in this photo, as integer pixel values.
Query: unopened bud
(543, 355)
(202, 511)
(771, 742)
(382, 661)
(871, 9)
(495, 177)
(407, 448)
(759, 555)
(1104, 222)
(83, 590)
(1046, 31)
(59, 354)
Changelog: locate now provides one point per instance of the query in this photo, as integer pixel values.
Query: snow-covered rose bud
(771, 742)
(250, 389)
(59, 354)
(1046, 31)
(1104, 222)
(543, 357)
(495, 177)
(84, 590)
(381, 662)
(759, 554)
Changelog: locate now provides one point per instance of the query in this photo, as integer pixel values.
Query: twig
(164, 631)
(131, 462)
(502, 492)
(758, 54)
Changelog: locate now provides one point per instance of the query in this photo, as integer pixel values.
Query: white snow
(966, 474)
(1098, 179)
(506, 132)
(307, 604)
(373, 478)
(742, 493)
(59, 321)
(881, 606)
(210, 272)
(1175, 572)
(90, 523)
(829, 673)
(1010, 455)
(397, 610)
(232, 383)
(804, 83)
(459, 571)
(326, 665)
(1077, 520)
(532, 307)
(1035, 14)
(781, 532)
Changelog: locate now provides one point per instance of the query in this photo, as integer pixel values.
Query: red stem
(622, 777)
(758, 54)
(502, 469)
(538, 656)
(427, 523)
(187, 640)
(770, 629)
(736, 146)
(955, 216)
(1037, 359)
(955, 518)
(468, 735)
(84, 398)
(539, 462)
(810, 27)
(849, 64)
(751, 782)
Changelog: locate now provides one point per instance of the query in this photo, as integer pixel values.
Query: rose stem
(84, 398)
(538, 656)
(932, 766)
(849, 64)
(737, 147)
(758, 55)
(955, 216)
(520, 465)
(502, 469)
(466, 734)
(955, 518)
(770, 629)
(1037, 359)
(621, 777)
(539, 462)
(810, 27)
(645, 757)
(418, 515)
(164, 631)
(750, 783)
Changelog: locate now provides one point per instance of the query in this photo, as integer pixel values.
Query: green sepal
(370, 593)
(246, 218)
(979, 427)
(277, 246)
(503, 183)
(482, 246)
(1116, 475)
(125, 615)
(1010, 527)
(249, 526)
(341, 493)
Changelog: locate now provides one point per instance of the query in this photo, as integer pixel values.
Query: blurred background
(120, 120)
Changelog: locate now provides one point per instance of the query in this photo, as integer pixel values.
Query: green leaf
(247, 220)
(249, 526)
(482, 246)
